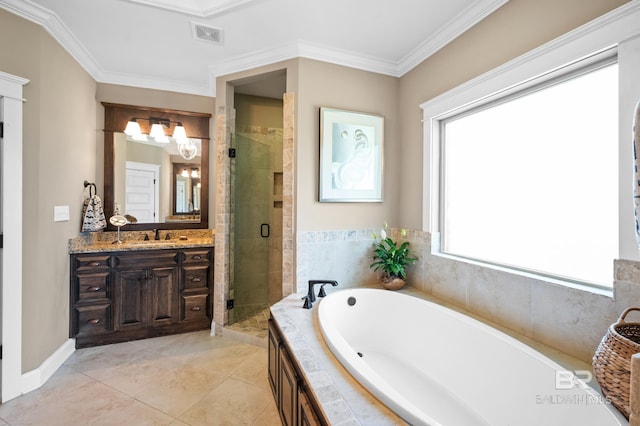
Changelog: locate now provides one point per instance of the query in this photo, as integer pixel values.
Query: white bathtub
(434, 366)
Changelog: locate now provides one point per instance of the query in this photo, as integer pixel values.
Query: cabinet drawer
(194, 277)
(93, 286)
(196, 256)
(143, 260)
(91, 262)
(93, 319)
(194, 307)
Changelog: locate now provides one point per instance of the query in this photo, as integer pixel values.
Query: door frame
(11, 96)
(148, 167)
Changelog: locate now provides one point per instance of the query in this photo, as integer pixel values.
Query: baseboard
(34, 379)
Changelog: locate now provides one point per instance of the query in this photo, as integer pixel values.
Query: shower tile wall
(224, 125)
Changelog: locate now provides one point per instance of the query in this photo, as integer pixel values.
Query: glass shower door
(251, 200)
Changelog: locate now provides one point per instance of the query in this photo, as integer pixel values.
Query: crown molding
(602, 33)
(349, 59)
(458, 25)
(195, 7)
(179, 86)
(448, 32)
(56, 28)
(301, 48)
(255, 59)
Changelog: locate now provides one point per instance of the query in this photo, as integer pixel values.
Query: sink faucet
(311, 296)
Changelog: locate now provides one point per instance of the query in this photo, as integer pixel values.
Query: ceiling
(152, 43)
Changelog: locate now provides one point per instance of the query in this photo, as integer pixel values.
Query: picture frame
(351, 156)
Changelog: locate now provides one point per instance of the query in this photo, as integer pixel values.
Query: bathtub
(434, 366)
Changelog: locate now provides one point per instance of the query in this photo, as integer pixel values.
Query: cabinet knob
(197, 257)
(196, 279)
(95, 263)
(195, 308)
(95, 288)
(94, 321)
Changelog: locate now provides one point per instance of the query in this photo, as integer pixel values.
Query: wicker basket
(612, 361)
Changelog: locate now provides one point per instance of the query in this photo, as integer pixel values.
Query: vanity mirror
(155, 178)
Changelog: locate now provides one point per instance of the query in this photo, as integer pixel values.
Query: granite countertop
(344, 400)
(100, 242)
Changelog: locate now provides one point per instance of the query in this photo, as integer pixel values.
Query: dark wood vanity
(295, 403)
(144, 289)
(127, 295)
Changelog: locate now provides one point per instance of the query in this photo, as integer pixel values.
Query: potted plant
(391, 260)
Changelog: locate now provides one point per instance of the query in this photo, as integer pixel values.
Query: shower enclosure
(256, 223)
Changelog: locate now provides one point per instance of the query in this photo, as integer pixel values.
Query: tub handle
(307, 302)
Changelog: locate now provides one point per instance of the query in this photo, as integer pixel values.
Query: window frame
(614, 30)
(583, 66)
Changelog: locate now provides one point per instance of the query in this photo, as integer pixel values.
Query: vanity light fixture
(157, 133)
(133, 128)
(185, 173)
(186, 147)
(179, 134)
(194, 173)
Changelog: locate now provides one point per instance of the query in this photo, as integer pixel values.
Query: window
(529, 178)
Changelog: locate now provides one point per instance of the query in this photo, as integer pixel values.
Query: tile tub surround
(570, 319)
(97, 242)
(343, 400)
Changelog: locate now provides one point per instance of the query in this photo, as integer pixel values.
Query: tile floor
(187, 379)
(252, 320)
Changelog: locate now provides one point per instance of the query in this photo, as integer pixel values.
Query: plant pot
(392, 283)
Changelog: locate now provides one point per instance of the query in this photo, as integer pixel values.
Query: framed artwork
(350, 156)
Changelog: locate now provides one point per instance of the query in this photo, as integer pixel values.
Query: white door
(181, 195)
(1, 240)
(11, 270)
(141, 199)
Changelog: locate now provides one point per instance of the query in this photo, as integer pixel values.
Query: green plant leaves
(391, 259)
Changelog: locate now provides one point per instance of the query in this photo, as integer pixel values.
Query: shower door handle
(265, 230)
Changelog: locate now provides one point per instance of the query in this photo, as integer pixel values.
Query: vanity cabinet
(194, 274)
(295, 403)
(128, 295)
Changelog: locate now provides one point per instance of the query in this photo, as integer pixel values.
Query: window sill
(544, 279)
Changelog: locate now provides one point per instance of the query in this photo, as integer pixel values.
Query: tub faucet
(311, 296)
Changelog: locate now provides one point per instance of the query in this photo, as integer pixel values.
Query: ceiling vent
(207, 33)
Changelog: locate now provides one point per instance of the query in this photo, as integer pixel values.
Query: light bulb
(179, 134)
(157, 133)
(133, 128)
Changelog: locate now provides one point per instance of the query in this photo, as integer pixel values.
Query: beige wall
(322, 84)
(258, 111)
(59, 154)
(514, 29)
